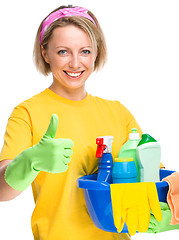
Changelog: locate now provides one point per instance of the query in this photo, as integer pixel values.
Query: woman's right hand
(50, 154)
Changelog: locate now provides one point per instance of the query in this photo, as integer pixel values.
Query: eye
(85, 51)
(62, 52)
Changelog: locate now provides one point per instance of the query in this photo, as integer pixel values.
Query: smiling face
(71, 57)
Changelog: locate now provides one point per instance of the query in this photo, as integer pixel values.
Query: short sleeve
(131, 122)
(18, 134)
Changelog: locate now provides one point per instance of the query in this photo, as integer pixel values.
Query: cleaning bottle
(148, 157)
(124, 170)
(129, 148)
(104, 149)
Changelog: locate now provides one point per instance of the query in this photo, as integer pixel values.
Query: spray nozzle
(104, 145)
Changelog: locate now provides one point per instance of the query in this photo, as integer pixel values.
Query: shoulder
(25, 107)
(111, 103)
(114, 107)
(34, 100)
(37, 98)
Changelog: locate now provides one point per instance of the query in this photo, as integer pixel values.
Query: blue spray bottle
(104, 149)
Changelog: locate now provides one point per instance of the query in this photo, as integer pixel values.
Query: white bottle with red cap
(104, 149)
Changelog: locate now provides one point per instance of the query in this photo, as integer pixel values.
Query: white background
(142, 72)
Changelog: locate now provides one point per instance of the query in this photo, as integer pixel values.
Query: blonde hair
(94, 31)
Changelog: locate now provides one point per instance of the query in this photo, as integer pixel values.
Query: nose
(74, 61)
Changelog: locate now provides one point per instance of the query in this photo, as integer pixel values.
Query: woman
(69, 44)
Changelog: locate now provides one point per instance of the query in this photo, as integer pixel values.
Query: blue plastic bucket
(98, 199)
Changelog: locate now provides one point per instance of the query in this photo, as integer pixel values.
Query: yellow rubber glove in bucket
(132, 204)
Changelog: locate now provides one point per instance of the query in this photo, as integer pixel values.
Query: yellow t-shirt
(60, 209)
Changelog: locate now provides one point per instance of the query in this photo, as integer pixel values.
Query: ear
(44, 54)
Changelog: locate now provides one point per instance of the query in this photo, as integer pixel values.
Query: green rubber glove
(49, 155)
(164, 225)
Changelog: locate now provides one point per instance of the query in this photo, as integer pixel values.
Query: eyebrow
(62, 47)
(69, 48)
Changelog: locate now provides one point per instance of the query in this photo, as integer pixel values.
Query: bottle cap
(134, 135)
(123, 159)
(146, 138)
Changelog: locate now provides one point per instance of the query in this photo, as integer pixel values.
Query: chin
(75, 85)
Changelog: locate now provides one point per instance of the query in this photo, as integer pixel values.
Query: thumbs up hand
(49, 155)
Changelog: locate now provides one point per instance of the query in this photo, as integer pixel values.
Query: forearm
(6, 192)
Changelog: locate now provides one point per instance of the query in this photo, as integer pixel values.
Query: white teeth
(74, 74)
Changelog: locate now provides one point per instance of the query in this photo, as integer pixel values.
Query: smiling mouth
(74, 74)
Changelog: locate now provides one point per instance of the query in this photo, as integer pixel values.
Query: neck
(71, 94)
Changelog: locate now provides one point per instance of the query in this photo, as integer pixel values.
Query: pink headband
(65, 12)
